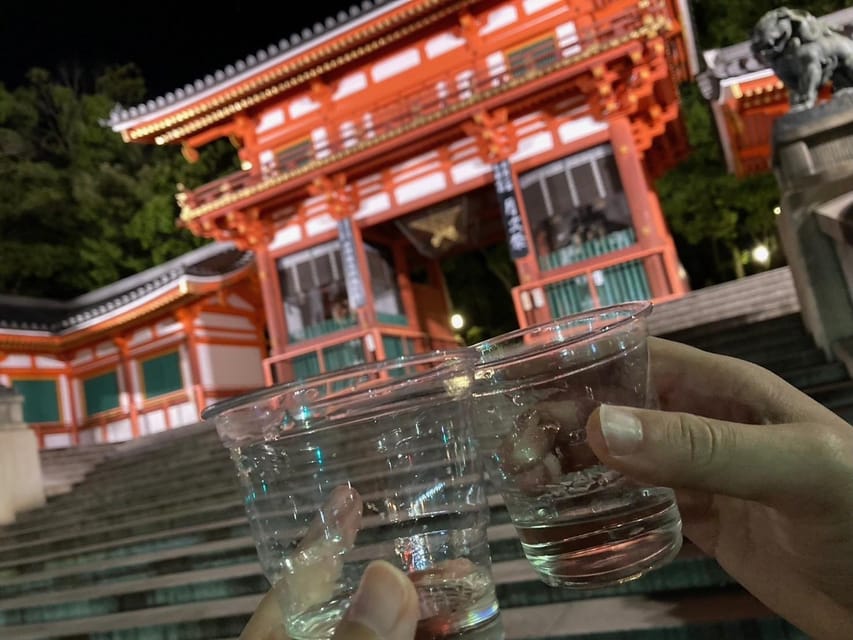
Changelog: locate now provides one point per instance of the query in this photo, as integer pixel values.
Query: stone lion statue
(804, 52)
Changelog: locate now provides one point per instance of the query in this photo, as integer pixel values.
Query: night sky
(172, 42)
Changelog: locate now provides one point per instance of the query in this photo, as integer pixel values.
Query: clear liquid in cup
(423, 510)
(607, 534)
(451, 607)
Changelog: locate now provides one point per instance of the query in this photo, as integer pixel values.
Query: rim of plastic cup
(636, 310)
(450, 358)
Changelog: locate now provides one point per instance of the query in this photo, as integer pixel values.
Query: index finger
(695, 381)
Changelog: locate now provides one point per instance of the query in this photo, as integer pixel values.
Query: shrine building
(746, 97)
(142, 355)
(388, 137)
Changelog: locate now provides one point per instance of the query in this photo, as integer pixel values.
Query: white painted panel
(373, 204)
(571, 51)
(349, 85)
(463, 84)
(468, 170)
(45, 362)
(225, 321)
(532, 145)
(183, 415)
(5, 380)
(579, 128)
(414, 162)
(395, 65)
(271, 120)
(57, 440)
(498, 19)
(349, 134)
(319, 224)
(442, 43)
(420, 187)
(239, 303)
(16, 361)
(230, 366)
(302, 106)
(244, 337)
(320, 138)
(119, 431)
(169, 326)
(64, 386)
(152, 422)
(105, 349)
(532, 6)
(267, 160)
(143, 335)
(567, 30)
(287, 235)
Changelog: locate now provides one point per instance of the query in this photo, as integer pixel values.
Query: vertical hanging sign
(518, 247)
(349, 258)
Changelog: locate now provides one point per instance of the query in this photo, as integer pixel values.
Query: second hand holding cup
(581, 524)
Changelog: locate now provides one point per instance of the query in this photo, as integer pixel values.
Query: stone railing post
(21, 486)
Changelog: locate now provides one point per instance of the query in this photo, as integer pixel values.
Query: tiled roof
(40, 314)
(272, 55)
(737, 60)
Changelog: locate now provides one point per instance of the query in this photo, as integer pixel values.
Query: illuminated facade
(396, 134)
(142, 355)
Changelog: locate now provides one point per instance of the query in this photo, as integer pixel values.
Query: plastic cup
(374, 462)
(581, 524)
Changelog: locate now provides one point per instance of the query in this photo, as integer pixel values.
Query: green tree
(81, 208)
(716, 218)
(708, 208)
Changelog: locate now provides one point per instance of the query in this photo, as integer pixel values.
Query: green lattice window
(532, 56)
(41, 400)
(101, 393)
(162, 374)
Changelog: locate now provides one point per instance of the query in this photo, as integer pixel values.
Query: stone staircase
(154, 544)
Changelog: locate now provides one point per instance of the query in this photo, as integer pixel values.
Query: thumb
(385, 607)
(773, 464)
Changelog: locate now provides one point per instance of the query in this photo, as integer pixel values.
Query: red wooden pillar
(645, 211)
(187, 317)
(72, 401)
(404, 285)
(127, 371)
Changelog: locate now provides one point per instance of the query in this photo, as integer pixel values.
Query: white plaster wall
(46, 362)
(57, 440)
(16, 361)
(152, 422)
(230, 366)
(119, 431)
(182, 415)
(225, 321)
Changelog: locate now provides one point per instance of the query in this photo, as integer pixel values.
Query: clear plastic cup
(374, 462)
(581, 524)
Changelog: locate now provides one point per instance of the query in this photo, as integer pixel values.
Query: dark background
(173, 43)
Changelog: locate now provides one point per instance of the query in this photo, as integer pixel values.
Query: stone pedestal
(21, 486)
(813, 163)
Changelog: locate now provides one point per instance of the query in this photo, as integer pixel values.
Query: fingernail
(622, 431)
(379, 601)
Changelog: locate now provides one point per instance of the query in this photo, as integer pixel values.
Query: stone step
(164, 539)
(517, 585)
(815, 375)
(213, 477)
(565, 618)
(93, 518)
(736, 337)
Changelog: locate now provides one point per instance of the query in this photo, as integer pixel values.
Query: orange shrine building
(373, 146)
(400, 132)
(746, 97)
(139, 356)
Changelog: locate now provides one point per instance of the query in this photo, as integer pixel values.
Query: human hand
(385, 605)
(763, 477)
